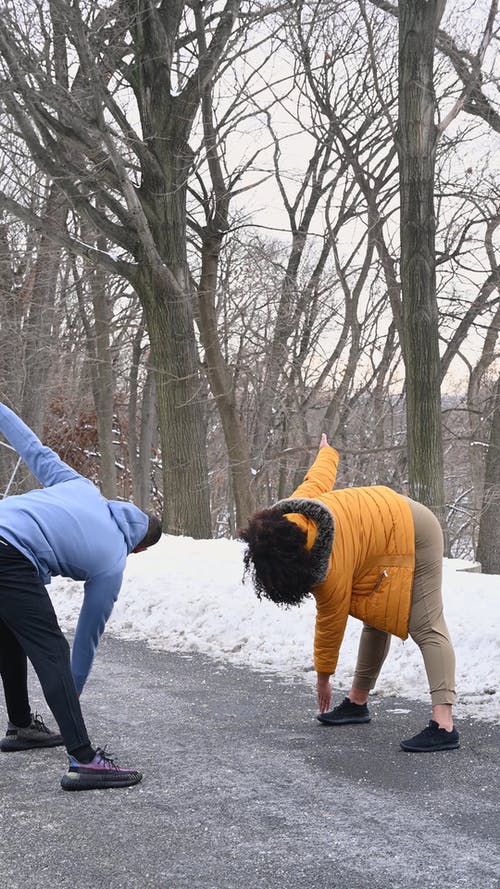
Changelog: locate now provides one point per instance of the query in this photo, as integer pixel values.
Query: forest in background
(201, 250)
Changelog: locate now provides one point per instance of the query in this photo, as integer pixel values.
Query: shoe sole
(80, 783)
(435, 749)
(348, 721)
(18, 746)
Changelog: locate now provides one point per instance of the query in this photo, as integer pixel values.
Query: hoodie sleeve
(44, 463)
(100, 596)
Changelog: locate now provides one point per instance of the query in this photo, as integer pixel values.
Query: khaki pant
(427, 624)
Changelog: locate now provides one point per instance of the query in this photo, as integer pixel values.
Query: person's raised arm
(320, 478)
(43, 462)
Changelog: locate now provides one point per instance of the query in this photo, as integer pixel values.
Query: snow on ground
(188, 595)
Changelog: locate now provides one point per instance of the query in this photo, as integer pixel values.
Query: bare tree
(135, 110)
(39, 325)
(468, 65)
(213, 194)
(142, 418)
(83, 138)
(417, 139)
(488, 551)
(92, 286)
(15, 279)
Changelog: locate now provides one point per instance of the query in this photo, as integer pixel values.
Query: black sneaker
(345, 713)
(100, 773)
(431, 739)
(35, 735)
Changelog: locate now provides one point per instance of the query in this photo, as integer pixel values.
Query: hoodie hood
(132, 522)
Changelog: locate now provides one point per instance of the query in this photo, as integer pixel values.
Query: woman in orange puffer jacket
(370, 553)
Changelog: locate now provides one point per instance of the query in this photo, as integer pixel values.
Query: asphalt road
(244, 788)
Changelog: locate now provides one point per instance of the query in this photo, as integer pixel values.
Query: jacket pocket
(380, 579)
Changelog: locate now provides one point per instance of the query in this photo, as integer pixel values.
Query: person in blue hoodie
(65, 528)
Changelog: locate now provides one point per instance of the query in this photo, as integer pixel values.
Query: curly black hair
(277, 558)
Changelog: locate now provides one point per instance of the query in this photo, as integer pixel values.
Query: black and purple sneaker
(100, 773)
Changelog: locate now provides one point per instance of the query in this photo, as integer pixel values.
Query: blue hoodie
(68, 528)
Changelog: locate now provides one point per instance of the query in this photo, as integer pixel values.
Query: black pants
(29, 629)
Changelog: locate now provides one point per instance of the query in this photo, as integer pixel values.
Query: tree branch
(72, 245)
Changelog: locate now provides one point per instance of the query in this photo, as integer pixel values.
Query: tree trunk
(221, 386)
(169, 320)
(418, 23)
(38, 340)
(488, 549)
(180, 412)
(11, 317)
(147, 433)
(94, 287)
(141, 432)
(103, 378)
(163, 282)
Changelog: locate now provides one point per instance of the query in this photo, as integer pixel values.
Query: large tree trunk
(180, 410)
(488, 549)
(163, 280)
(418, 23)
(169, 319)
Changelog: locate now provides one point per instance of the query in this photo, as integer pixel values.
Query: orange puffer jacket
(371, 565)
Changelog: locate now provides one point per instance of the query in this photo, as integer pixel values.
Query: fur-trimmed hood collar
(319, 513)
